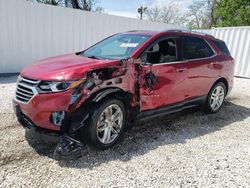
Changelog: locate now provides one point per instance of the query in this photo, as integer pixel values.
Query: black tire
(208, 106)
(93, 120)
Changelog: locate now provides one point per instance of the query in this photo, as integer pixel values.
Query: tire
(215, 98)
(104, 129)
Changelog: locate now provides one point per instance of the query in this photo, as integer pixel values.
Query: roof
(149, 32)
(144, 32)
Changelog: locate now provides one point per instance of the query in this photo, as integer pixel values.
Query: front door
(162, 78)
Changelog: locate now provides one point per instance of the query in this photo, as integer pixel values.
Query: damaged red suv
(93, 94)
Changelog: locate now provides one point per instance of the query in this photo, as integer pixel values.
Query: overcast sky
(128, 8)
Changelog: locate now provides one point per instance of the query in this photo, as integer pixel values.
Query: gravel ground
(190, 149)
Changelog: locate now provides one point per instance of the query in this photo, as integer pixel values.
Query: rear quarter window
(222, 46)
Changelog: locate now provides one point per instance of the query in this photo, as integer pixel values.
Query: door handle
(181, 69)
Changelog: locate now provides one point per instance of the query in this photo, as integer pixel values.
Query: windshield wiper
(93, 57)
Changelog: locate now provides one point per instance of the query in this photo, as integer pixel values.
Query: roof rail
(188, 31)
(176, 30)
(201, 33)
(141, 31)
(133, 30)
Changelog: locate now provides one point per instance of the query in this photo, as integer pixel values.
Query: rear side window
(222, 46)
(195, 48)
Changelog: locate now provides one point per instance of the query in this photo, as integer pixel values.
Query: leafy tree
(234, 13)
(202, 14)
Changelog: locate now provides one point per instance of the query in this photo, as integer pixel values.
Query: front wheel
(215, 98)
(107, 123)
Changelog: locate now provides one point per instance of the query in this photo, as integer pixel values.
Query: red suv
(129, 76)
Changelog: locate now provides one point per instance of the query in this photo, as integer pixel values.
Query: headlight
(48, 87)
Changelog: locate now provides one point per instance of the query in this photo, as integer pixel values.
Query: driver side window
(164, 51)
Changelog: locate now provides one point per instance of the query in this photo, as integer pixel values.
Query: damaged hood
(67, 67)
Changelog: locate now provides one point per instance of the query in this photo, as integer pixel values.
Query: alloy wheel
(109, 124)
(217, 98)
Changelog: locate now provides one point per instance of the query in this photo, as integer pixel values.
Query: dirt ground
(191, 149)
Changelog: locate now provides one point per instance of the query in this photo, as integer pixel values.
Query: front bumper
(39, 133)
(41, 106)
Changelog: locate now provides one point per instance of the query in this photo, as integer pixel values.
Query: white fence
(31, 31)
(238, 42)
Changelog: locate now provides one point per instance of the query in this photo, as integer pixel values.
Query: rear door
(201, 70)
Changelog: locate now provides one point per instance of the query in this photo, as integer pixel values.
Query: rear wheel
(107, 123)
(216, 98)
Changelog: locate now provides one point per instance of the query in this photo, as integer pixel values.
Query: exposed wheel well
(116, 93)
(125, 97)
(109, 93)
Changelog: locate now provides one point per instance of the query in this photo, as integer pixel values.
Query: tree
(202, 14)
(49, 2)
(234, 13)
(88, 5)
(196, 14)
(165, 13)
(212, 6)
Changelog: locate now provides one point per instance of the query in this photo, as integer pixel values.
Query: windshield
(116, 47)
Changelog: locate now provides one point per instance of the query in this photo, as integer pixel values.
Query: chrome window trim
(186, 61)
(178, 62)
(215, 53)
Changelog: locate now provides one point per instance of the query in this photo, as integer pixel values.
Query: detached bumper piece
(68, 148)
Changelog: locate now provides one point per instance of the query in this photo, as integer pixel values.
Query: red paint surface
(39, 109)
(176, 82)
